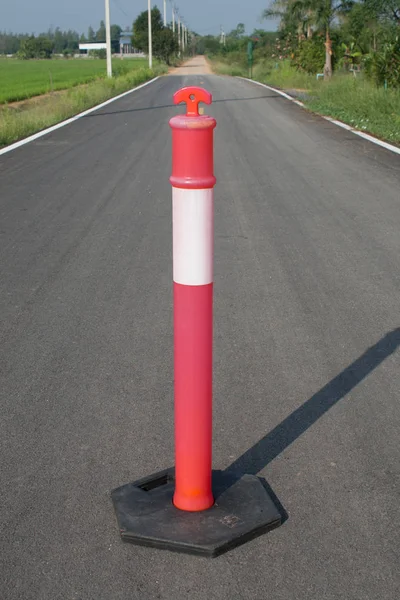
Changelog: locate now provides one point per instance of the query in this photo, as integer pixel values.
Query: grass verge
(18, 122)
(355, 101)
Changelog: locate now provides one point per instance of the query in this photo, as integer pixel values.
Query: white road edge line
(366, 136)
(40, 134)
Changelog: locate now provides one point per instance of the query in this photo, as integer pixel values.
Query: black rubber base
(146, 516)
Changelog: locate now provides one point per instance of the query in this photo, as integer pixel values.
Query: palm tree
(292, 14)
(325, 12)
(308, 13)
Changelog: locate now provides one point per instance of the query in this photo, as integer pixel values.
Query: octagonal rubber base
(146, 516)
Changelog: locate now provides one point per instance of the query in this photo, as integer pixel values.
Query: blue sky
(204, 17)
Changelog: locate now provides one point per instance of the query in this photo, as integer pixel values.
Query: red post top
(192, 142)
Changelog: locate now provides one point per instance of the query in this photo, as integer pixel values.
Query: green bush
(102, 53)
(236, 58)
(384, 65)
(33, 47)
(310, 55)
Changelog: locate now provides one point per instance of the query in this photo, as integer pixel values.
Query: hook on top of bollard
(192, 95)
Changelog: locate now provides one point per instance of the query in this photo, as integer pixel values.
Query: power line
(121, 9)
(213, 31)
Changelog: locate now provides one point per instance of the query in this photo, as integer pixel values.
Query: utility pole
(183, 38)
(222, 37)
(179, 34)
(108, 39)
(165, 13)
(173, 18)
(150, 34)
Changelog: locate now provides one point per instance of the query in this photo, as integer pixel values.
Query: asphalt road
(307, 377)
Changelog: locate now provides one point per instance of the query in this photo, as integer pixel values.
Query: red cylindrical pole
(192, 197)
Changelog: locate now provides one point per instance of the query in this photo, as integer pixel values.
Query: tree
(385, 64)
(10, 43)
(240, 29)
(324, 13)
(208, 44)
(305, 13)
(140, 39)
(360, 29)
(91, 36)
(295, 18)
(64, 42)
(101, 33)
(32, 47)
(165, 45)
(115, 35)
(384, 9)
(238, 32)
(58, 40)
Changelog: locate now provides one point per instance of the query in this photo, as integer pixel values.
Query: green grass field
(21, 79)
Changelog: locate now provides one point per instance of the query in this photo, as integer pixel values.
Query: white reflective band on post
(193, 236)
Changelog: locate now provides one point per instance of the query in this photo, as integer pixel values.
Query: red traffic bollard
(175, 508)
(193, 231)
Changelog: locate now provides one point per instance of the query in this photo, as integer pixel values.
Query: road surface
(195, 66)
(307, 360)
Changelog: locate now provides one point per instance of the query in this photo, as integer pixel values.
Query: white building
(92, 46)
(125, 45)
(125, 42)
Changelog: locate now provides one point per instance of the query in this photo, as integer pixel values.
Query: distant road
(307, 361)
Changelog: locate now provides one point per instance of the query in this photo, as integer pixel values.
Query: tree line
(235, 41)
(321, 36)
(342, 34)
(55, 41)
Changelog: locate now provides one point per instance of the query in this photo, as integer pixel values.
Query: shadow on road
(161, 106)
(195, 66)
(283, 435)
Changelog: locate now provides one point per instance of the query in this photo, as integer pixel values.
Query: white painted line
(366, 136)
(273, 90)
(40, 134)
(340, 124)
(193, 236)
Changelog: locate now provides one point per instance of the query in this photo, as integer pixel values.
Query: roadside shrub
(102, 53)
(310, 56)
(384, 64)
(237, 58)
(349, 57)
